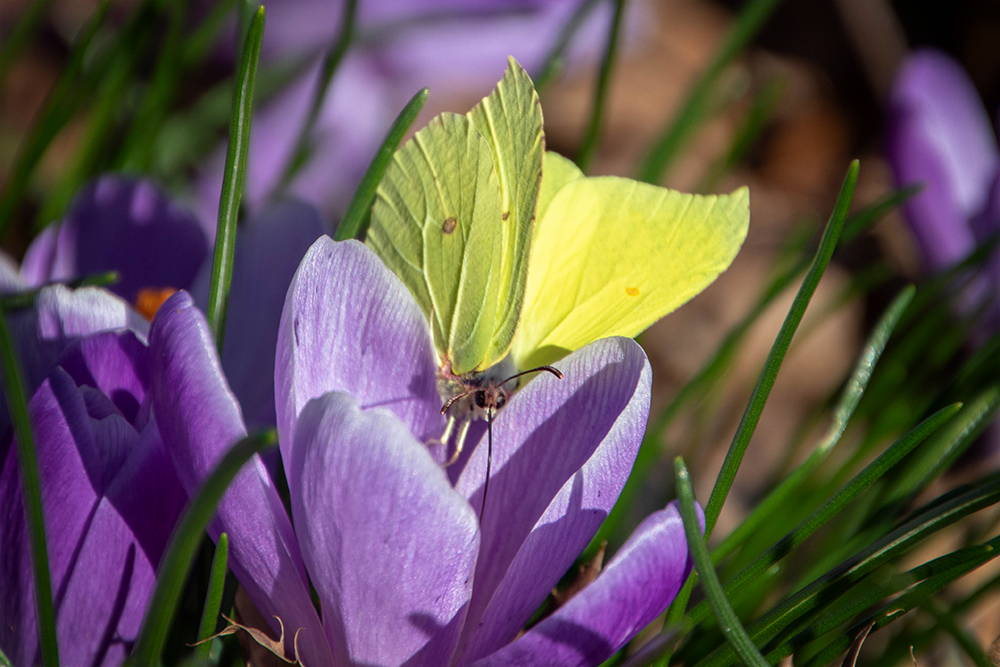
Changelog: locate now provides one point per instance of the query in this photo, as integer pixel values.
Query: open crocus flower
(157, 246)
(110, 499)
(404, 569)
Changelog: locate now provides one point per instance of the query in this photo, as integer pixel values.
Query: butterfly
(517, 258)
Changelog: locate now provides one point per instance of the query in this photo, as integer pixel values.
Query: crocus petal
(64, 313)
(101, 575)
(562, 450)
(940, 134)
(124, 225)
(390, 546)
(200, 420)
(350, 325)
(268, 251)
(636, 586)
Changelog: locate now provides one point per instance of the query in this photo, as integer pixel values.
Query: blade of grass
(591, 136)
(300, 153)
(833, 584)
(848, 403)
(31, 493)
(959, 564)
(16, 39)
(56, 111)
(761, 109)
(184, 542)
(554, 61)
(136, 151)
(832, 507)
(777, 354)
(695, 106)
(354, 224)
(732, 629)
(232, 180)
(213, 599)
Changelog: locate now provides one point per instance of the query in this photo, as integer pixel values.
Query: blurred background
(809, 93)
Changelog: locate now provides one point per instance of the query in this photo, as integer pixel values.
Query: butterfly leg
(463, 430)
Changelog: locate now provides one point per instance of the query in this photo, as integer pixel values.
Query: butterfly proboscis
(489, 399)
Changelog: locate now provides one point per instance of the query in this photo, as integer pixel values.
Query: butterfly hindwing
(611, 256)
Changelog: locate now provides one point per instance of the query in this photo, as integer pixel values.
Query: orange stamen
(149, 300)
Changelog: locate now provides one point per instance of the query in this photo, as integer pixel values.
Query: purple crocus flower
(451, 46)
(110, 500)
(404, 569)
(940, 135)
(157, 246)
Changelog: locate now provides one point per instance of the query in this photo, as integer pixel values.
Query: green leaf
(213, 599)
(183, 545)
(31, 492)
(695, 107)
(850, 398)
(331, 63)
(59, 106)
(591, 136)
(841, 578)
(232, 180)
(777, 354)
(731, 627)
(354, 223)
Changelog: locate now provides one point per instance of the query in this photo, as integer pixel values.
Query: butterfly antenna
(489, 463)
(451, 401)
(550, 369)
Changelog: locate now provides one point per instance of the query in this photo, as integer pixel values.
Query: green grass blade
(554, 61)
(838, 580)
(937, 574)
(232, 180)
(16, 39)
(300, 154)
(777, 354)
(592, 134)
(184, 542)
(31, 492)
(730, 624)
(213, 600)
(695, 107)
(136, 152)
(59, 106)
(832, 507)
(354, 224)
(848, 403)
(761, 109)
(863, 219)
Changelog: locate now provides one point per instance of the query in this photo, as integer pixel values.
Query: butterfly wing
(510, 119)
(453, 218)
(611, 256)
(432, 225)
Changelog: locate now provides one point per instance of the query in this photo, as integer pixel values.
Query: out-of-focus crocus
(110, 499)
(157, 247)
(404, 569)
(940, 135)
(451, 46)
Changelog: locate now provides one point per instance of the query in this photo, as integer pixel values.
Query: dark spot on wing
(506, 214)
(449, 224)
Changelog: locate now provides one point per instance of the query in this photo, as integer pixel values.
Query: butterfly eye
(480, 399)
(501, 400)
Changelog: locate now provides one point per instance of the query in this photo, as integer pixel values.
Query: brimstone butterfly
(455, 218)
